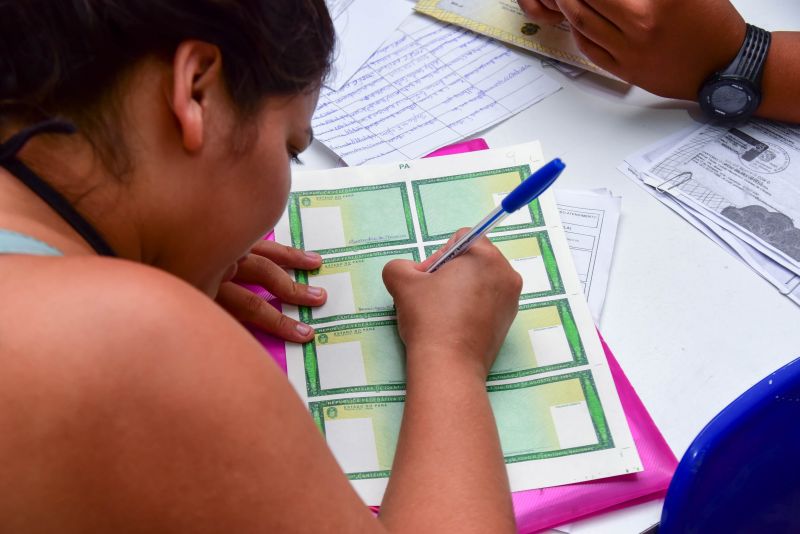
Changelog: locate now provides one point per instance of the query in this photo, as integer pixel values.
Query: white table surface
(692, 326)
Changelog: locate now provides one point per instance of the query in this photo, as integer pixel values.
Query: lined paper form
(361, 27)
(428, 85)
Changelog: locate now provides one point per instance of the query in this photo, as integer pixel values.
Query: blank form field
(352, 442)
(341, 365)
(534, 274)
(574, 425)
(323, 228)
(341, 300)
(550, 345)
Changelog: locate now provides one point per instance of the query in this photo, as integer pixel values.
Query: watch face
(730, 99)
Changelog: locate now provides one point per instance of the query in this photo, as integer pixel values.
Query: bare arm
(144, 407)
(670, 47)
(448, 467)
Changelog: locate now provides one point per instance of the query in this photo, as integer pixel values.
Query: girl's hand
(265, 266)
(464, 309)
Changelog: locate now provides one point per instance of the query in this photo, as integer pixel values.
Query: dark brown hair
(65, 57)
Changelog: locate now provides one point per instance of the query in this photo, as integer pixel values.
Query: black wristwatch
(733, 95)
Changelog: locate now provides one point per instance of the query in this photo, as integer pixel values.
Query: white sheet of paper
(590, 220)
(361, 27)
(620, 458)
(428, 85)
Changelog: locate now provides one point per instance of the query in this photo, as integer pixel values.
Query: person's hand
(264, 266)
(668, 47)
(542, 11)
(465, 308)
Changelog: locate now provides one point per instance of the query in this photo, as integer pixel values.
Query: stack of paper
(740, 186)
(429, 85)
(558, 413)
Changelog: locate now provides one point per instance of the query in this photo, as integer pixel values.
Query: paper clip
(660, 187)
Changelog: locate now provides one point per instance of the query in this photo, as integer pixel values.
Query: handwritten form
(429, 84)
(361, 27)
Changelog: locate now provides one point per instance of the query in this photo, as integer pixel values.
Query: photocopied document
(558, 412)
(429, 85)
(747, 177)
(590, 220)
(504, 20)
(667, 170)
(361, 27)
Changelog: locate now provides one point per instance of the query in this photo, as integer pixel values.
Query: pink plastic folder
(541, 509)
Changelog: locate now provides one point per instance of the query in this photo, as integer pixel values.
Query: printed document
(429, 85)
(590, 220)
(504, 20)
(746, 177)
(664, 168)
(558, 413)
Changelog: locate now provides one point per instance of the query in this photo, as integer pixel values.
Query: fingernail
(314, 291)
(313, 255)
(303, 329)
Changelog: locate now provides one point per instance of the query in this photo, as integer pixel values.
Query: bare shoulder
(101, 300)
(128, 400)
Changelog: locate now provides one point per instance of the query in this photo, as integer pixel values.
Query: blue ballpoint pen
(533, 186)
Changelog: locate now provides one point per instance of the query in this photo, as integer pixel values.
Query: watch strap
(749, 62)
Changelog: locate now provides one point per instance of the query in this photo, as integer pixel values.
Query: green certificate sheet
(504, 20)
(558, 413)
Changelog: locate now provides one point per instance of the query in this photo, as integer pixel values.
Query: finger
(598, 55)
(289, 257)
(550, 4)
(249, 308)
(622, 13)
(261, 271)
(538, 12)
(438, 254)
(592, 24)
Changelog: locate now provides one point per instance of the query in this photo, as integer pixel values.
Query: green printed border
(317, 409)
(573, 338)
(548, 256)
(524, 171)
(579, 357)
(306, 312)
(313, 385)
(604, 439)
(296, 226)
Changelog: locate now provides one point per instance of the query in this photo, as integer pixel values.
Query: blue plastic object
(533, 186)
(742, 472)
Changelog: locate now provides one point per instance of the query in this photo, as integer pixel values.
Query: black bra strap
(54, 199)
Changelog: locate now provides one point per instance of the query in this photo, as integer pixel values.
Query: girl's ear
(197, 68)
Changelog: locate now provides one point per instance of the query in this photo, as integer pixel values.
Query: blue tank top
(16, 243)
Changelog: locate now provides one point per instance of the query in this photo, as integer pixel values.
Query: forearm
(448, 474)
(781, 82)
